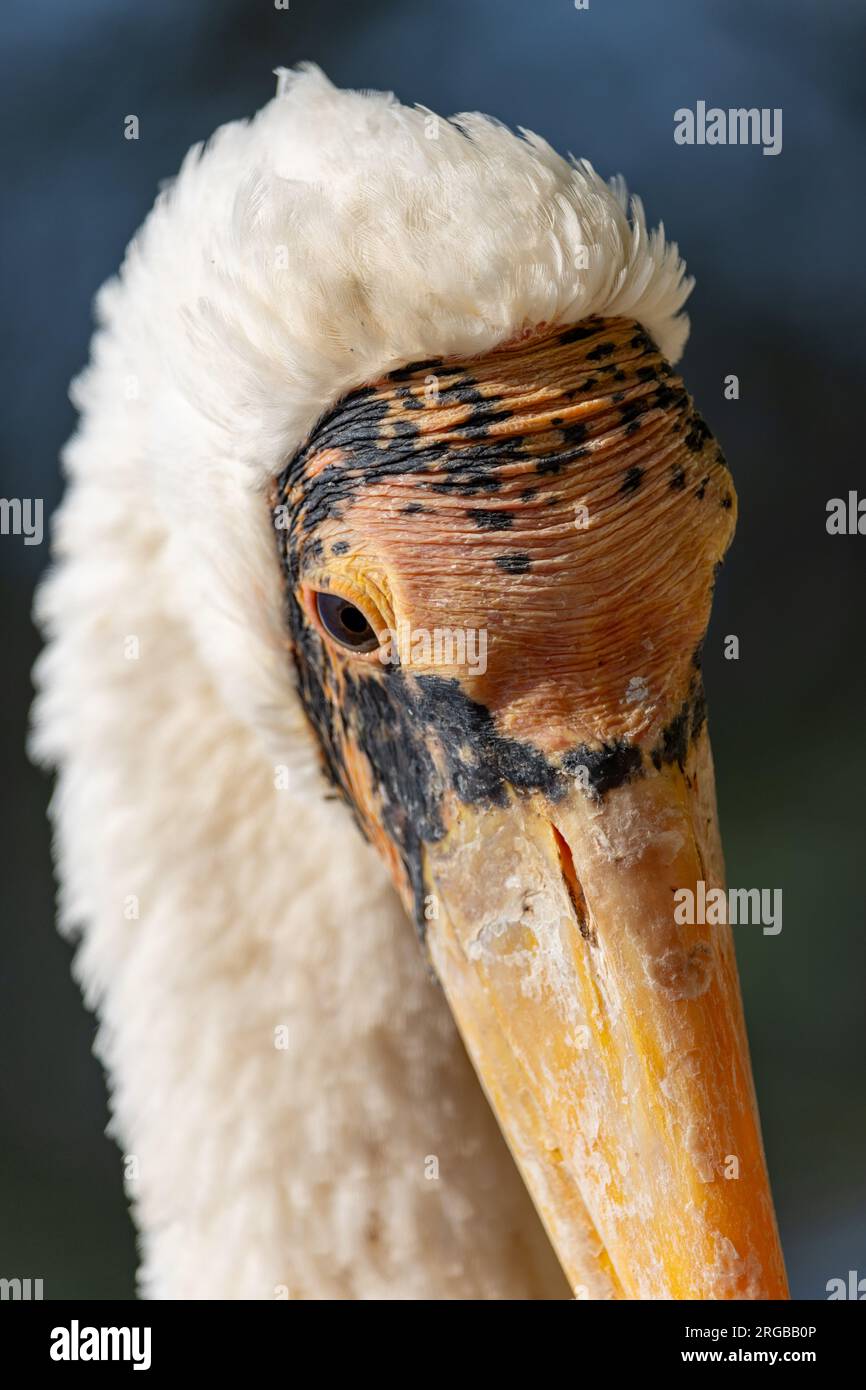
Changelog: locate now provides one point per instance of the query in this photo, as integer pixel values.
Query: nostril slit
(573, 885)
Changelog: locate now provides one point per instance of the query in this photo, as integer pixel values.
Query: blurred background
(775, 245)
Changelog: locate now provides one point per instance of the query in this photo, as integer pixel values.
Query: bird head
(498, 578)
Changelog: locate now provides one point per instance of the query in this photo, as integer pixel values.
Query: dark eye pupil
(353, 619)
(345, 623)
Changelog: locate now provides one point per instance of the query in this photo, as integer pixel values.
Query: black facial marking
(673, 745)
(411, 786)
(425, 739)
(606, 767)
(518, 562)
(491, 521)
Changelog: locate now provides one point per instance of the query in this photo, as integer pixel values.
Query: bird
(372, 683)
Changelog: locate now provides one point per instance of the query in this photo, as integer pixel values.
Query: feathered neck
(296, 1112)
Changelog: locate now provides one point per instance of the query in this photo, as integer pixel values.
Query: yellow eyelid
(370, 595)
(341, 588)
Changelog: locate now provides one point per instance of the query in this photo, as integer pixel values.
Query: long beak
(610, 1039)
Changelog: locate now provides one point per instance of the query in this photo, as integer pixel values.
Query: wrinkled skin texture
(562, 496)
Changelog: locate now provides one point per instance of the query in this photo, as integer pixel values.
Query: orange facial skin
(549, 794)
(560, 495)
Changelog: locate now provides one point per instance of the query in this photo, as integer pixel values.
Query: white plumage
(335, 236)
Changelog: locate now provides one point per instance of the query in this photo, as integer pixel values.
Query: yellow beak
(610, 1039)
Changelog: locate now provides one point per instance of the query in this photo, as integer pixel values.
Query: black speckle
(727, 501)
(678, 477)
(462, 392)
(412, 369)
(413, 508)
(314, 553)
(578, 333)
(518, 562)
(339, 547)
(603, 350)
(632, 480)
(698, 433)
(404, 429)
(702, 489)
(491, 521)
(664, 396)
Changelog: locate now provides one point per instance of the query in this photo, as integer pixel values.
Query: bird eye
(345, 623)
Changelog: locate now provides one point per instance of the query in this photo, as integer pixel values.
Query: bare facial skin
(560, 495)
(539, 810)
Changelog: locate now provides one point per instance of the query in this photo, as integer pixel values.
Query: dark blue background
(775, 245)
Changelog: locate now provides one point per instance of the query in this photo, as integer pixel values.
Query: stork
(366, 376)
